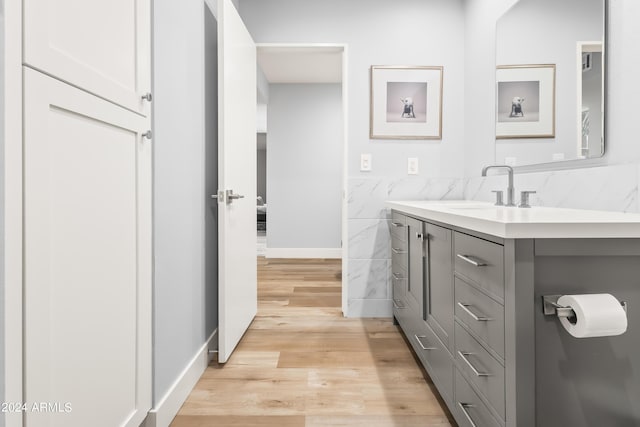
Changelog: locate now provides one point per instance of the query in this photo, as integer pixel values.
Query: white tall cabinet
(102, 47)
(87, 212)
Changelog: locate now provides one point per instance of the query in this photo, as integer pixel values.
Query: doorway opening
(301, 145)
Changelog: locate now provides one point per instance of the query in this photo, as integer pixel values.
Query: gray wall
(2, 39)
(304, 165)
(262, 170)
(180, 200)
(380, 32)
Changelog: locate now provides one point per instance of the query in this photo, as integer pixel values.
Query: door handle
(478, 317)
(219, 196)
(398, 304)
(464, 407)
(417, 337)
(471, 260)
(464, 355)
(231, 196)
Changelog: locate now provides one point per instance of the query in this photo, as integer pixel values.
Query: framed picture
(525, 101)
(406, 102)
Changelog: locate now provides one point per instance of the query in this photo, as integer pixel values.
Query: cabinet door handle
(479, 318)
(397, 224)
(464, 407)
(472, 260)
(473, 368)
(397, 304)
(397, 276)
(422, 345)
(398, 251)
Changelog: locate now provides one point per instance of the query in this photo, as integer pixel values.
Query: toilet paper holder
(550, 307)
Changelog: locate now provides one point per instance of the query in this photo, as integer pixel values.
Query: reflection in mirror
(567, 35)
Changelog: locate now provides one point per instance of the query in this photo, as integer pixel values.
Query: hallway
(302, 364)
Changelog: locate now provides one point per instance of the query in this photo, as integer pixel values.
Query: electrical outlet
(365, 162)
(412, 166)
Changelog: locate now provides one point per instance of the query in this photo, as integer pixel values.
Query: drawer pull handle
(473, 368)
(397, 224)
(464, 407)
(398, 304)
(422, 345)
(479, 318)
(397, 276)
(398, 251)
(472, 260)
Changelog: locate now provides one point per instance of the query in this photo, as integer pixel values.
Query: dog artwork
(407, 109)
(516, 107)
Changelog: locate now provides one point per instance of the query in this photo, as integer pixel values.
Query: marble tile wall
(609, 188)
(368, 249)
(613, 188)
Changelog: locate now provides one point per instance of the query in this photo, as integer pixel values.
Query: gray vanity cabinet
(474, 317)
(445, 283)
(423, 303)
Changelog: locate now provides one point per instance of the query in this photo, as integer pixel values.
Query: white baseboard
(165, 410)
(304, 253)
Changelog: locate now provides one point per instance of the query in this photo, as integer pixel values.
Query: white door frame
(13, 224)
(345, 150)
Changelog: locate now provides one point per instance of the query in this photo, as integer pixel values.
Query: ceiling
(304, 64)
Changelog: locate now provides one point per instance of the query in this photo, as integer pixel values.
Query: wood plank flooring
(301, 364)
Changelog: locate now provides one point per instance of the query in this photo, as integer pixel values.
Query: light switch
(365, 162)
(412, 166)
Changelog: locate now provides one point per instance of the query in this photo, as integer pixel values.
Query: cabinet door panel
(87, 257)
(415, 286)
(102, 47)
(440, 283)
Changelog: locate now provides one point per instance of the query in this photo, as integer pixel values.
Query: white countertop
(523, 223)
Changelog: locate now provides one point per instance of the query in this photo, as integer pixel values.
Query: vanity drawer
(484, 371)
(468, 408)
(481, 314)
(399, 254)
(434, 356)
(398, 226)
(398, 289)
(480, 261)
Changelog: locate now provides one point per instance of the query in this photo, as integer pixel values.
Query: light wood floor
(302, 364)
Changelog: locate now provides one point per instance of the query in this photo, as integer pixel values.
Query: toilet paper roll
(597, 315)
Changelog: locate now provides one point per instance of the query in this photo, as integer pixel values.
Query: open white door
(238, 300)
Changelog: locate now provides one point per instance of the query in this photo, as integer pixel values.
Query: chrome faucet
(510, 190)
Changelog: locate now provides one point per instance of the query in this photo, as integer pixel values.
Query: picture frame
(525, 101)
(406, 102)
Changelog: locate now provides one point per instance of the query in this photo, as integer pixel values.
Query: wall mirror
(550, 75)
